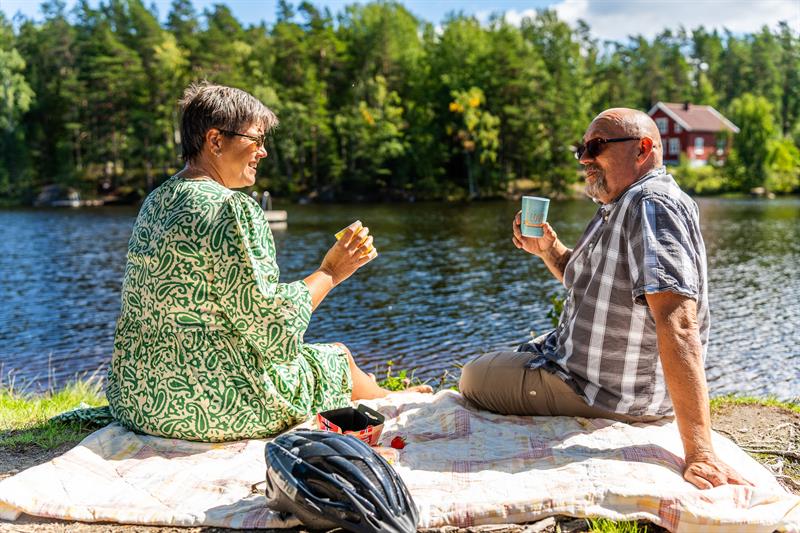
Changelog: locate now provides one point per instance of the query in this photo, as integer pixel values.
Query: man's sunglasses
(259, 140)
(594, 147)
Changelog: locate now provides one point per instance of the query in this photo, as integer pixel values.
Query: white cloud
(515, 17)
(483, 15)
(615, 19)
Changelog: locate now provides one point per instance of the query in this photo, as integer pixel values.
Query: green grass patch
(733, 399)
(25, 418)
(603, 525)
(395, 380)
(398, 379)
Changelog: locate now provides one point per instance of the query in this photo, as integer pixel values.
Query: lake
(448, 284)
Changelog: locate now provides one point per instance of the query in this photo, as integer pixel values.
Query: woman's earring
(219, 153)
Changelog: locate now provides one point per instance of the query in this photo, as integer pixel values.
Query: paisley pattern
(209, 345)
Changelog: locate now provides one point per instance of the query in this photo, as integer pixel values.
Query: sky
(608, 19)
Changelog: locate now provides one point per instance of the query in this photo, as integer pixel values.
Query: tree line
(374, 103)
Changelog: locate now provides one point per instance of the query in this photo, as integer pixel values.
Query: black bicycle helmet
(330, 480)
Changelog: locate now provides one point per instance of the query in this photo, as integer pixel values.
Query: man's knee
(472, 375)
(487, 379)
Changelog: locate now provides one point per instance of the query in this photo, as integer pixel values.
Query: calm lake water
(448, 285)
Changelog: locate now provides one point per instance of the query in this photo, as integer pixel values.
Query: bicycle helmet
(330, 480)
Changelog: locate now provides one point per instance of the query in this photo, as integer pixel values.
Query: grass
(398, 381)
(732, 399)
(25, 417)
(603, 525)
(402, 379)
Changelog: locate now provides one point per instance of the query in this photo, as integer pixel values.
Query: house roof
(696, 117)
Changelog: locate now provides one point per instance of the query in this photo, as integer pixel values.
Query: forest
(375, 103)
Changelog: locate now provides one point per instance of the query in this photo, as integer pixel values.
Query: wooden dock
(277, 219)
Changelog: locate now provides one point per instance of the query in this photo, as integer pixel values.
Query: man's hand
(548, 248)
(706, 470)
(537, 246)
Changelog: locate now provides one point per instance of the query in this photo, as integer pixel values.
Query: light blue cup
(534, 214)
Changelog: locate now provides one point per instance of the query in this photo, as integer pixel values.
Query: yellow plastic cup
(339, 234)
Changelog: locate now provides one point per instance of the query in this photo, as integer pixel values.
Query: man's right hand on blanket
(705, 470)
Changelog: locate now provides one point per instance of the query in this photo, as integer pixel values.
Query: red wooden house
(699, 132)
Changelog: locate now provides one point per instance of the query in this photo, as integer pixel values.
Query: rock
(542, 526)
(574, 525)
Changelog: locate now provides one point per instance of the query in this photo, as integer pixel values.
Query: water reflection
(447, 285)
(754, 248)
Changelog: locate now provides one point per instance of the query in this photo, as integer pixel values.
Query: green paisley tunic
(209, 345)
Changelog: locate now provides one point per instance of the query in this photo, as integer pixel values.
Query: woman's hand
(537, 246)
(350, 253)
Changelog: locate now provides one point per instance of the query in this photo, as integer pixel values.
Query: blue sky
(609, 19)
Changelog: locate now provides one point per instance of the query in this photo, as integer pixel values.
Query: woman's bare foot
(366, 388)
(371, 393)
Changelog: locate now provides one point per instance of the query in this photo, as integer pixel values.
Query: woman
(209, 345)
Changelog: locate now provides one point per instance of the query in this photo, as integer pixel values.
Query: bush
(783, 166)
(706, 179)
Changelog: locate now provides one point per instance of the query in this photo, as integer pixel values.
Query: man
(631, 341)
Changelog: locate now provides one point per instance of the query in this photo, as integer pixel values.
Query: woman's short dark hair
(205, 106)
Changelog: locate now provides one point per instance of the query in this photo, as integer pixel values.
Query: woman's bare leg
(365, 386)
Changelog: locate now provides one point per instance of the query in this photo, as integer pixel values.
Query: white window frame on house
(663, 125)
(722, 143)
(699, 144)
(678, 128)
(675, 145)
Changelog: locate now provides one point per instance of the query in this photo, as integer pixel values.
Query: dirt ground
(770, 434)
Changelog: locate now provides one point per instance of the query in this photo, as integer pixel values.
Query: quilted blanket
(463, 466)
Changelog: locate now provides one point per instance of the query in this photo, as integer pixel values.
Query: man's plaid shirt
(647, 241)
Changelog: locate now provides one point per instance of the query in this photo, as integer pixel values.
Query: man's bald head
(627, 122)
(630, 148)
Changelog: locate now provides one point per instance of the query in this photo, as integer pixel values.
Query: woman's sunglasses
(259, 140)
(594, 147)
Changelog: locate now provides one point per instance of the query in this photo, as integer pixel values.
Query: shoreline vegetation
(376, 103)
(700, 183)
(767, 428)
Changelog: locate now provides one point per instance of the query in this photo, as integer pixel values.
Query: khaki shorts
(499, 382)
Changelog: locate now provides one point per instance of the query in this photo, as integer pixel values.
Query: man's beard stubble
(598, 187)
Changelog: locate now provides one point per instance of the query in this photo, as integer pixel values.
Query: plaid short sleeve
(663, 253)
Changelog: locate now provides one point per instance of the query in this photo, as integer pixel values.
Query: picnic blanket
(463, 466)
